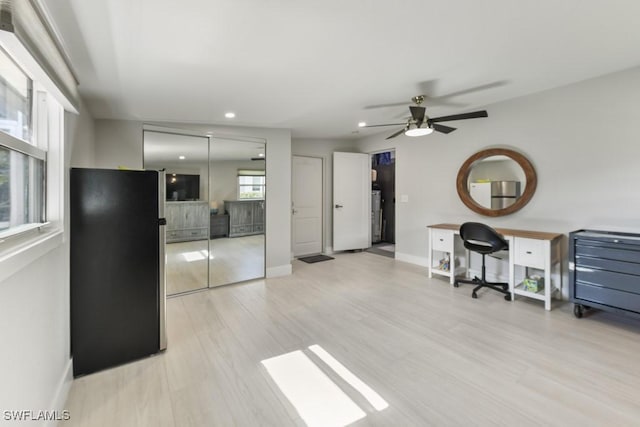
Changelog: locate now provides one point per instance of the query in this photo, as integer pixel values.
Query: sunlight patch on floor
(196, 256)
(318, 400)
(367, 392)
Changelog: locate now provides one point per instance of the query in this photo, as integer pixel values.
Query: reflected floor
(232, 259)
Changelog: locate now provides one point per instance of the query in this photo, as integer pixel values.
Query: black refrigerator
(117, 267)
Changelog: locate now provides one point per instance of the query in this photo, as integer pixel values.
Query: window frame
(38, 125)
(20, 245)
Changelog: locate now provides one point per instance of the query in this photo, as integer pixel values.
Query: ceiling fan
(420, 124)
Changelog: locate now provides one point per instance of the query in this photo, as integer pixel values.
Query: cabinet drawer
(184, 235)
(608, 279)
(240, 229)
(174, 234)
(608, 265)
(529, 252)
(441, 240)
(606, 296)
(196, 233)
(585, 248)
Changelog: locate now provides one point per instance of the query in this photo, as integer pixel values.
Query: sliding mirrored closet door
(185, 160)
(237, 193)
(215, 207)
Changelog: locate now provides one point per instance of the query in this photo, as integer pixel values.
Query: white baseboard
(62, 392)
(280, 270)
(412, 259)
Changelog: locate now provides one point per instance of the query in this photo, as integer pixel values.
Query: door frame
(323, 202)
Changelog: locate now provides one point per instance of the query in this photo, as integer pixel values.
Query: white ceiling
(313, 66)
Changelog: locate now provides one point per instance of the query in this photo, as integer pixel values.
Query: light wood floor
(437, 356)
(231, 260)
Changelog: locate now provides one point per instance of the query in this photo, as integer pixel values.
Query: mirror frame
(465, 170)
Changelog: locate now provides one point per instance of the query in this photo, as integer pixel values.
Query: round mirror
(496, 182)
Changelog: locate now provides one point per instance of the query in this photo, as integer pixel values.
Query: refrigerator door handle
(162, 291)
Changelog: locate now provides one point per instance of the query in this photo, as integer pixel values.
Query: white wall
(34, 307)
(324, 149)
(582, 139)
(119, 143)
(80, 138)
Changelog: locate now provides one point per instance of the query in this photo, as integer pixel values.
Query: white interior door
(351, 201)
(306, 212)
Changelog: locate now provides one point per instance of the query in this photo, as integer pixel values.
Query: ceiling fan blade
(393, 104)
(417, 113)
(472, 115)
(442, 128)
(395, 134)
(377, 126)
(485, 86)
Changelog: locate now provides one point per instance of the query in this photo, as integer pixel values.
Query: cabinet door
(174, 212)
(258, 212)
(190, 216)
(195, 215)
(235, 217)
(241, 213)
(201, 215)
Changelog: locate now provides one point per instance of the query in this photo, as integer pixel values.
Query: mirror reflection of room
(496, 182)
(185, 161)
(237, 206)
(215, 199)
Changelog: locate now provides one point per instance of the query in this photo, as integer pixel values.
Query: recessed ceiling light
(229, 115)
(261, 154)
(181, 157)
(362, 124)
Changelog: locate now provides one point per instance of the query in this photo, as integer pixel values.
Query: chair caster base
(474, 295)
(507, 297)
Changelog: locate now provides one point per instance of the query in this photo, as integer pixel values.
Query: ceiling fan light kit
(414, 126)
(416, 131)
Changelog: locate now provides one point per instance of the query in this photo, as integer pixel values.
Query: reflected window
(251, 184)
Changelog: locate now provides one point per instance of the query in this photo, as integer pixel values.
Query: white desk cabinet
(530, 252)
(541, 256)
(442, 245)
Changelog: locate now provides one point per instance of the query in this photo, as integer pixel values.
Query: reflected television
(182, 187)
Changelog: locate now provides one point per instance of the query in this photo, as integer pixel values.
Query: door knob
(339, 206)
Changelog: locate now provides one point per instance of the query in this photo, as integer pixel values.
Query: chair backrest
(481, 238)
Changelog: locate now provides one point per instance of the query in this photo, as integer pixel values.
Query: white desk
(528, 250)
